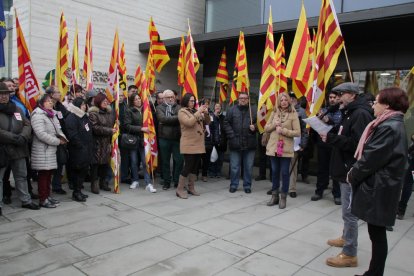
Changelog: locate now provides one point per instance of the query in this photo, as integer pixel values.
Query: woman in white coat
(47, 136)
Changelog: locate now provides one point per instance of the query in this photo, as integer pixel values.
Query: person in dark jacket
(61, 114)
(357, 113)
(219, 140)
(408, 182)
(240, 127)
(169, 134)
(102, 121)
(78, 129)
(377, 175)
(15, 133)
(208, 142)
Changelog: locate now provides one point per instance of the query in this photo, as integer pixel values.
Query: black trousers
(407, 188)
(78, 177)
(322, 180)
(378, 237)
(191, 164)
(205, 160)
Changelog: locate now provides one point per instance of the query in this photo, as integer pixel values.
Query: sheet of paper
(318, 125)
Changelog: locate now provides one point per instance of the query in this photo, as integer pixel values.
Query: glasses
(244, 98)
(191, 101)
(170, 97)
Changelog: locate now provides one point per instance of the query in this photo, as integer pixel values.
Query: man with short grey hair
(169, 134)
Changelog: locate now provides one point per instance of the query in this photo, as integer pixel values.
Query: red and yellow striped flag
(150, 71)
(112, 82)
(222, 74)
(62, 60)
(329, 44)
(223, 92)
(75, 58)
(29, 90)
(281, 80)
(138, 80)
(242, 79)
(150, 138)
(181, 63)
(268, 78)
(159, 52)
(123, 84)
(87, 61)
(299, 64)
(191, 66)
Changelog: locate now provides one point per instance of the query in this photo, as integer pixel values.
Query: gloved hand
(20, 140)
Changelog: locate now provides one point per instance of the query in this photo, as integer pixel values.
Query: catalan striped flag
(112, 81)
(88, 59)
(410, 88)
(313, 74)
(223, 76)
(75, 58)
(123, 84)
(191, 66)
(160, 54)
(150, 138)
(329, 44)
(150, 71)
(29, 90)
(299, 64)
(223, 92)
(268, 78)
(62, 59)
(138, 80)
(281, 80)
(240, 81)
(181, 63)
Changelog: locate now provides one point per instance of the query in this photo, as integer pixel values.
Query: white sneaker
(134, 185)
(150, 188)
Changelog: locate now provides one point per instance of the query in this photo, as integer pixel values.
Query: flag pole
(347, 62)
(214, 92)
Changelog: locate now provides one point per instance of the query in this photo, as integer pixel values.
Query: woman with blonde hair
(282, 125)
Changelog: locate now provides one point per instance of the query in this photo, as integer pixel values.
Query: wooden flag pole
(347, 63)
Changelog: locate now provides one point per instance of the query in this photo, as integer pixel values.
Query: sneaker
(134, 185)
(342, 260)
(47, 204)
(54, 201)
(150, 188)
(339, 242)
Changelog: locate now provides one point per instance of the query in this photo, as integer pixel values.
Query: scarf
(49, 113)
(168, 111)
(370, 129)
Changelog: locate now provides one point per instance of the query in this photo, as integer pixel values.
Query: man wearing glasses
(240, 128)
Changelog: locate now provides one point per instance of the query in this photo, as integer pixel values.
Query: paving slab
(65, 271)
(293, 219)
(218, 227)
(16, 228)
(401, 256)
(131, 215)
(188, 238)
(18, 245)
(231, 248)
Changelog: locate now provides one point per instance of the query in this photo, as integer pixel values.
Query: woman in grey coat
(47, 136)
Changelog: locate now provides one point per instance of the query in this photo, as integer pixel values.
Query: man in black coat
(357, 113)
(240, 128)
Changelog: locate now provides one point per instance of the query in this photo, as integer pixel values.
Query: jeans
(236, 158)
(19, 170)
(168, 148)
(280, 165)
(56, 179)
(350, 234)
(133, 154)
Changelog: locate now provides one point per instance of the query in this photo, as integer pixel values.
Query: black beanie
(78, 102)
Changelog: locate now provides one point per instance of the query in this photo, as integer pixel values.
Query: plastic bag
(214, 155)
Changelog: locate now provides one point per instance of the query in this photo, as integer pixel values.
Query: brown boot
(342, 260)
(191, 179)
(95, 187)
(180, 192)
(339, 242)
(275, 199)
(282, 202)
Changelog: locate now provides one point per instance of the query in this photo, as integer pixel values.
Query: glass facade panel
(354, 5)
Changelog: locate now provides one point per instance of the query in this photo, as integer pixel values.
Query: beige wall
(40, 23)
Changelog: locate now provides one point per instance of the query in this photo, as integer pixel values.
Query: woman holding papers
(282, 125)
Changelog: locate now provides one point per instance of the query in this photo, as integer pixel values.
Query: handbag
(62, 154)
(129, 141)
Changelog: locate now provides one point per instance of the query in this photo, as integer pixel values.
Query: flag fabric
(268, 78)
(242, 78)
(49, 79)
(113, 70)
(410, 88)
(191, 66)
(88, 59)
(138, 80)
(281, 80)
(234, 95)
(312, 76)
(150, 138)
(160, 54)
(75, 59)
(123, 84)
(397, 79)
(150, 71)
(181, 63)
(223, 92)
(62, 59)
(329, 44)
(371, 83)
(2, 35)
(29, 90)
(222, 74)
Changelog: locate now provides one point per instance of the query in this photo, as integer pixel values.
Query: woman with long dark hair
(192, 146)
(376, 177)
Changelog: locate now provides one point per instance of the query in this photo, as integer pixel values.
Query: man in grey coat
(15, 132)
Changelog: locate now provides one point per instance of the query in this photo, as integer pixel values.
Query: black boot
(103, 185)
(275, 199)
(77, 196)
(400, 213)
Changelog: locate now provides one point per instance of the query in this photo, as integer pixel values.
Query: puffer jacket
(13, 118)
(377, 177)
(102, 124)
(45, 141)
(133, 124)
(192, 131)
(168, 126)
(290, 128)
(236, 126)
(219, 135)
(79, 131)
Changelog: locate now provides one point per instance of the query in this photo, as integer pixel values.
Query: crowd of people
(365, 153)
